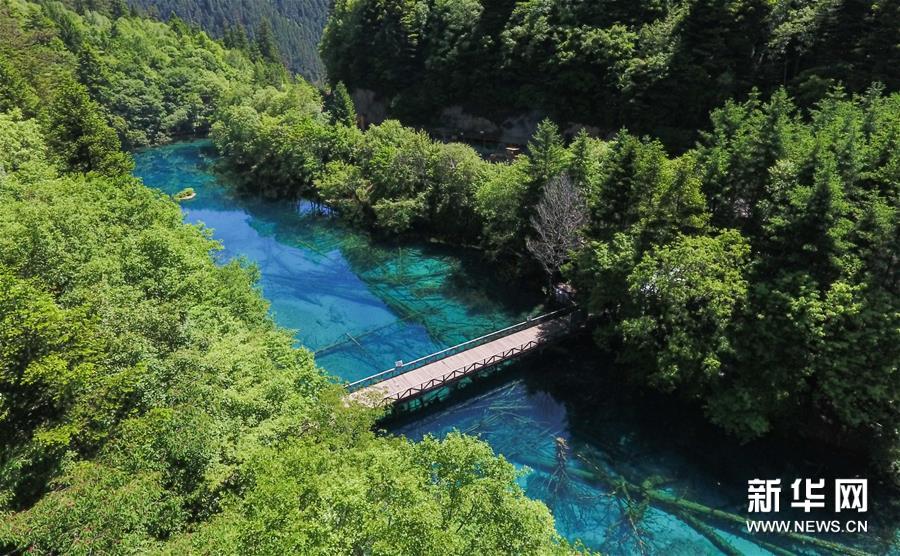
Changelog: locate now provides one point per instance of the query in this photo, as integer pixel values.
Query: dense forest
(147, 401)
(149, 404)
(754, 274)
(652, 66)
(295, 28)
(152, 81)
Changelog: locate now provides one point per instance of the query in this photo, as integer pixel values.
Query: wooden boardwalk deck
(448, 366)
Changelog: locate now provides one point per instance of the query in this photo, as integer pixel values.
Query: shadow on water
(615, 465)
(608, 459)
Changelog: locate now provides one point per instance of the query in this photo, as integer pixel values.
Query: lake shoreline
(636, 428)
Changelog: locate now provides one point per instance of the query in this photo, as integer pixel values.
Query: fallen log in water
(711, 535)
(689, 510)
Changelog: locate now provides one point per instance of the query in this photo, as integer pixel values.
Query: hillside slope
(653, 67)
(296, 24)
(148, 403)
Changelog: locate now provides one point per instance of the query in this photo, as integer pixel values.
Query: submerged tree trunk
(687, 510)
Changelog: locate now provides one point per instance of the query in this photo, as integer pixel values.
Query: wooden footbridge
(406, 381)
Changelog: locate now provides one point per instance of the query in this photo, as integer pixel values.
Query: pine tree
(80, 136)
(91, 71)
(265, 42)
(583, 166)
(15, 92)
(340, 106)
(547, 153)
(236, 37)
(118, 9)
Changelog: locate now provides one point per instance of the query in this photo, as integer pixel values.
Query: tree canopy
(651, 66)
(148, 403)
(732, 274)
(293, 27)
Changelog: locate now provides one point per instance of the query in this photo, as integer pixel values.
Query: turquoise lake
(361, 306)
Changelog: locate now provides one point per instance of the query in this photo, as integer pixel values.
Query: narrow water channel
(583, 443)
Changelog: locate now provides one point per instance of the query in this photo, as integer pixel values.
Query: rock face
(454, 118)
(368, 106)
(454, 123)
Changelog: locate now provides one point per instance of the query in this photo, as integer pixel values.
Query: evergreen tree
(340, 106)
(119, 8)
(92, 72)
(178, 25)
(15, 92)
(77, 131)
(547, 153)
(584, 161)
(265, 43)
(631, 175)
(236, 37)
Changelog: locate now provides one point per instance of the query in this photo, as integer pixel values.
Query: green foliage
(23, 150)
(457, 172)
(148, 404)
(152, 81)
(184, 194)
(392, 497)
(754, 274)
(723, 275)
(279, 138)
(77, 131)
(685, 296)
(343, 187)
(95, 508)
(15, 92)
(651, 66)
(630, 175)
(778, 304)
(340, 106)
(295, 27)
(390, 177)
(265, 43)
(499, 202)
(547, 155)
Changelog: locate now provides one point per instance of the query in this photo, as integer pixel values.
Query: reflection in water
(622, 480)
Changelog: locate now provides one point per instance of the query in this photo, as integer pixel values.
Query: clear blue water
(361, 306)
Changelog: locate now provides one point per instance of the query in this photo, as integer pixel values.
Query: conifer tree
(265, 42)
(77, 131)
(15, 92)
(340, 106)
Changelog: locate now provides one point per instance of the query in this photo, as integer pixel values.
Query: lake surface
(360, 306)
(588, 442)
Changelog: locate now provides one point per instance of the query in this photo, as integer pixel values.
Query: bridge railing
(456, 374)
(453, 350)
